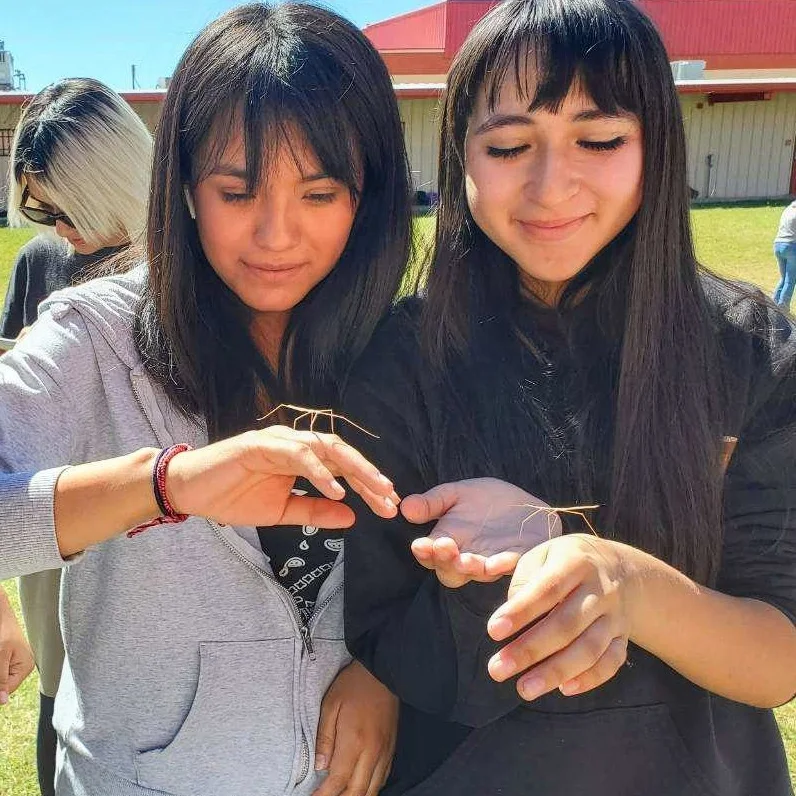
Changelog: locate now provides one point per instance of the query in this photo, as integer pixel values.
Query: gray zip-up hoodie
(187, 670)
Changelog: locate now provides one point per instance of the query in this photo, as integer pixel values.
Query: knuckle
(553, 590)
(568, 620)
(555, 672)
(593, 649)
(524, 656)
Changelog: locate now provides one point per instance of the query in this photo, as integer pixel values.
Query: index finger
(347, 462)
(536, 594)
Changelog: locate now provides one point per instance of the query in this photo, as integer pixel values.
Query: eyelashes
(592, 146)
(505, 154)
(314, 198)
(604, 146)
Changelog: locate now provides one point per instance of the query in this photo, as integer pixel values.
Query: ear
(189, 201)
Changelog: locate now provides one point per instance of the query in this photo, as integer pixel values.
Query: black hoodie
(648, 730)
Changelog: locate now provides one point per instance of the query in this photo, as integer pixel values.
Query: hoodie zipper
(304, 627)
(303, 630)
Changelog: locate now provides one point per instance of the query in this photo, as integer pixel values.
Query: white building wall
(420, 119)
(751, 144)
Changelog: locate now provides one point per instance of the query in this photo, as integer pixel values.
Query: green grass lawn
(735, 242)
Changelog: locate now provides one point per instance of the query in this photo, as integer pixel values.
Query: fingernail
(338, 487)
(3, 697)
(386, 481)
(532, 688)
(321, 762)
(501, 666)
(499, 627)
(570, 687)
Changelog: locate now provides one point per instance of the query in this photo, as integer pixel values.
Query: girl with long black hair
(571, 353)
(207, 656)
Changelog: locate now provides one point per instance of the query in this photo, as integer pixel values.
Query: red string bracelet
(168, 513)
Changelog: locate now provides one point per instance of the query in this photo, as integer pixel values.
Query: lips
(552, 229)
(274, 268)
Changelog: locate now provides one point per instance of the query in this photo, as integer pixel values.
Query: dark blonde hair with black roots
(269, 71)
(657, 472)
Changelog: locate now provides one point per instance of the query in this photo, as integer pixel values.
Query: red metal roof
(461, 18)
(441, 27)
(705, 28)
(728, 34)
(419, 30)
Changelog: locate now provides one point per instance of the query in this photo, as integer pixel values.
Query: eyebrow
(508, 120)
(228, 170)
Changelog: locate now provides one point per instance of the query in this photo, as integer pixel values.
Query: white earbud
(189, 202)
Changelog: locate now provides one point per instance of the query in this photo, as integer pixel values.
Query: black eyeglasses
(39, 215)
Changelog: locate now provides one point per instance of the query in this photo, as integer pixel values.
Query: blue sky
(51, 39)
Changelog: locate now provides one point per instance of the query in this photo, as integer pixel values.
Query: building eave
(138, 95)
(736, 85)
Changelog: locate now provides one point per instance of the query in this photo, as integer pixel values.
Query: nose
(551, 180)
(275, 226)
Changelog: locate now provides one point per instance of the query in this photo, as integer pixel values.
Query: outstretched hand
(248, 480)
(483, 527)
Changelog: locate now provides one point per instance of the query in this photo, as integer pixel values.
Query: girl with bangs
(204, 647)
(570, 352)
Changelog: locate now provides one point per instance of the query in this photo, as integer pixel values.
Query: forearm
(116, 494)
(742, 649)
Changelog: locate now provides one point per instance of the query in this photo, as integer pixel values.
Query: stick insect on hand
(483, 527)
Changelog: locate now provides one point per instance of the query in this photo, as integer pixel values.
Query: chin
(551, 275)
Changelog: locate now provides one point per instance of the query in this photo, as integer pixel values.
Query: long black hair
(643, 432)
(268, 71)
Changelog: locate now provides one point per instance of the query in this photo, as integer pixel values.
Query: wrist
(166, 513)
(175, 485)
(635, 569)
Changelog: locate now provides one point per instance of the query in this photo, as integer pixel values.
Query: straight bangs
(548, 49)
(283, 98)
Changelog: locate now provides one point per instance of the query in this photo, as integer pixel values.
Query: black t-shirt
(648, 730)
(301, 557)
(42, 266)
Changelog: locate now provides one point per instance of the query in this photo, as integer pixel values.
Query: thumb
(431, 505)
(5, 661)
(318, 511)
(327, 734)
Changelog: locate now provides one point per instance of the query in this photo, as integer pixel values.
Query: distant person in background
(79, 173)
(785, 252)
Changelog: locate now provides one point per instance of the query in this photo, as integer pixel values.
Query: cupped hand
(483, 527)
(248, 480)
(573, 595)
